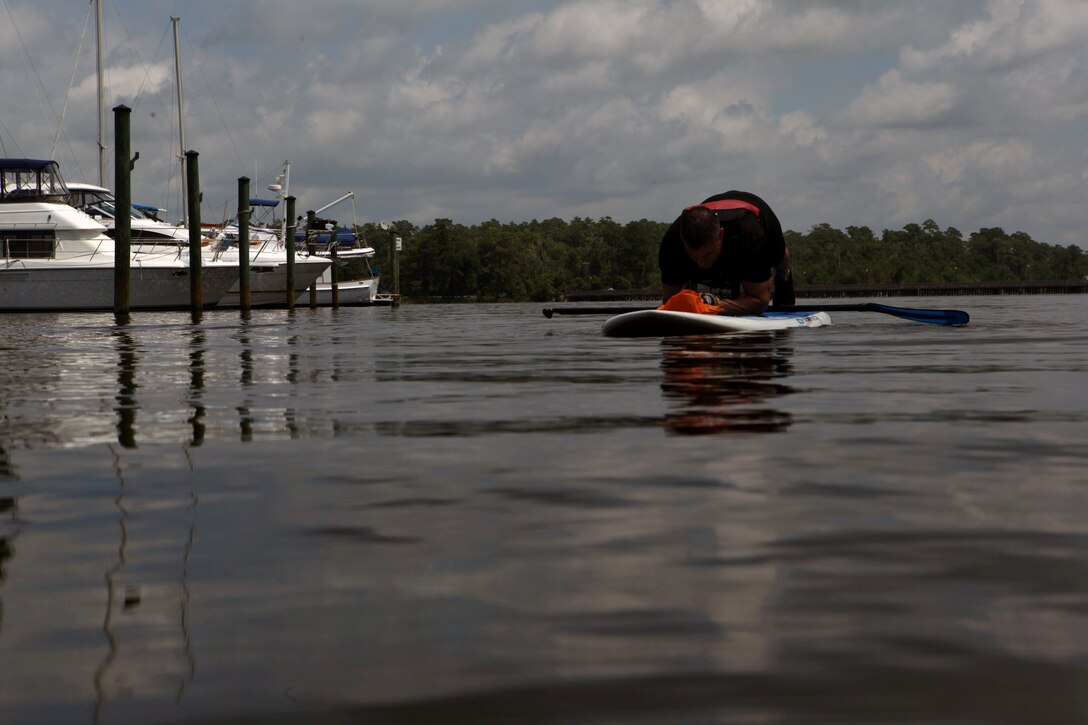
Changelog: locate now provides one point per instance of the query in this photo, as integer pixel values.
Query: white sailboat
(56, 257)
(267, 256)
(361, 289)
(267, 253)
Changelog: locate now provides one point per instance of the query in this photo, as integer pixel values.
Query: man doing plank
(731, 241)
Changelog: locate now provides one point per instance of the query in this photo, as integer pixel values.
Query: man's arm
(668, 290)
(754, 298)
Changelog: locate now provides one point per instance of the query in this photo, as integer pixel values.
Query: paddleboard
(663, 323)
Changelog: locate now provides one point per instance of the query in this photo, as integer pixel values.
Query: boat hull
(268, 285)
(351, 293)
(73, 287)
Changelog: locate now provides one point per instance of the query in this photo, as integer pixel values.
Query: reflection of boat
(267, 256)
(56, 257)
(722, 384)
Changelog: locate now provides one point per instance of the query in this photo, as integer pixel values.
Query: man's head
(701, 234)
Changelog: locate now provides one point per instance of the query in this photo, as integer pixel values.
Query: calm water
(476, 514)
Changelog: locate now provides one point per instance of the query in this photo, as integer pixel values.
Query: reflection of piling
(244, 292)
(122, 261)
(289, 243)
(196, 386)
(311, 249)
(192, 176)
(126, 390)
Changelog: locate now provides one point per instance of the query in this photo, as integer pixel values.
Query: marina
(267, 253)
(55, 257)
(59, 241)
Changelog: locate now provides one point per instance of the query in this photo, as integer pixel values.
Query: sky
(876, 113)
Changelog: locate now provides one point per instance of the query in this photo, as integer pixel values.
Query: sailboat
(268, 254)
(56, 257)
(362, 289)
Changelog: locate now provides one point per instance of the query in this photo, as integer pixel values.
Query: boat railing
(98, 248)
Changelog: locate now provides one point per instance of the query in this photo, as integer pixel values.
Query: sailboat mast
(101, 102)
(181, 118)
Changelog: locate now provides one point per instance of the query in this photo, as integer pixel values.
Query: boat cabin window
(21, 244)
(102, 204)
(36, 181)
(84, 199)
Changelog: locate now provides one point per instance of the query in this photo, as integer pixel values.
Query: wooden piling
(192, 176)
(122, 255)
(245, 294)
(289, 244)
(311, 249)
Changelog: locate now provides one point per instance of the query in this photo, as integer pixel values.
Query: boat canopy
(30, 180)
(29, 164)
(345, 237)
(148, 211)
(264, 202)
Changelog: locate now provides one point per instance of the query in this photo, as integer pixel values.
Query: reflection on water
(726, 383)
(6, 469)
(197, 343)
(127, 440)
(290, 415)
(126, 389)
(9, 518)
(186, 600)
(245, 366)
(464, 513)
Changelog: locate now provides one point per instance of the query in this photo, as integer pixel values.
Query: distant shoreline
(929, 289)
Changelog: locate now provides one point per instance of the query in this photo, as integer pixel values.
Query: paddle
(935, 317)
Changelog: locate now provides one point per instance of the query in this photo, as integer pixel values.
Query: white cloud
(895, 100)
(1011, 31)
(802, 128)
(839, 111)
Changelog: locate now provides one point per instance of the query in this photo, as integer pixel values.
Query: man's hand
(754, 298)
(668, 290)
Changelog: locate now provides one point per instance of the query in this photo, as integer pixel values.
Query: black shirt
(752, 246)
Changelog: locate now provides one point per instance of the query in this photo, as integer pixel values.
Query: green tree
(542, 260)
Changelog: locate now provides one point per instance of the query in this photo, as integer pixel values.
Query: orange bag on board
(688, 300)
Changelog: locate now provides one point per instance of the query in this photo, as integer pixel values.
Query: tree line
(543, 260)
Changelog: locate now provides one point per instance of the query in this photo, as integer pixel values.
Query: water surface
(476, 514)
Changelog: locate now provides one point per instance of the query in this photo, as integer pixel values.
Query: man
(730, 241)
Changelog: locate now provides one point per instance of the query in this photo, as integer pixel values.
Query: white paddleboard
(663, 323)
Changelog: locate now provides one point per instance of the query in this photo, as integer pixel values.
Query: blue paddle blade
(933, 317)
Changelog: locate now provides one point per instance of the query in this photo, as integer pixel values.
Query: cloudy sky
(972, 113)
